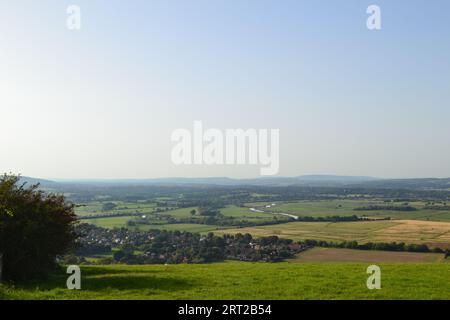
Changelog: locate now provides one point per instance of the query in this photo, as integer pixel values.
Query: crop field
(121, 222)
(349, 255)
(96, 208)
(187, 227)
(179, 213)
(408, 231)
(324, 208)
(238, 280)
(110, 222)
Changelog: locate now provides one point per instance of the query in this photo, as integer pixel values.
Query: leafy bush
(35, 228)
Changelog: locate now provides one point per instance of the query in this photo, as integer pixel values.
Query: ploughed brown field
(350, 255)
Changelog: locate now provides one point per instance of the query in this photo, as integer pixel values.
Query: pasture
(325, 208)
(96, 208)
(187, 227)
(318, 208)
(243, 281)
(156, 219)
(121, 222)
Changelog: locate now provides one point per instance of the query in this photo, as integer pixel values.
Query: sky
(103, 101)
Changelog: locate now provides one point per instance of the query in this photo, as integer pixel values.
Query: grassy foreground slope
(234, 280)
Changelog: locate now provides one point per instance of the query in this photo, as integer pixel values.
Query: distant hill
(32, 181)
(312, 180)
(424, 183)
(305, 180)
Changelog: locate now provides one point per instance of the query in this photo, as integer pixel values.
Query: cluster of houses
(157, 246)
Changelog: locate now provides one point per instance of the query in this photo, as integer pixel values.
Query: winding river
(278, 213)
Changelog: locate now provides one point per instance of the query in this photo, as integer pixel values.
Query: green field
(180, 213)
(110, 222)
(320, 208)
(95, 208)
(325, 208)
(121, 222)
(242, 213)
(187, 227)
(235, 280)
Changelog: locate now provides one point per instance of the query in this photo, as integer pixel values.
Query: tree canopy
(35, 228)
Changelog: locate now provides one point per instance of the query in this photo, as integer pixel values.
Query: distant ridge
(419, 183)
(32, 181)
(224, 181)
(304, 180)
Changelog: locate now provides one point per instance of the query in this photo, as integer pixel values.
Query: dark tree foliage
(380, 246)
(389, 208)
(35, 228)
(109, 206)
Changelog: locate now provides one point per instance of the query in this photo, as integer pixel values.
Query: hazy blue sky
(102, 102)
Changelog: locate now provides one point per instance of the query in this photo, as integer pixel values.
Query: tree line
(379, 246)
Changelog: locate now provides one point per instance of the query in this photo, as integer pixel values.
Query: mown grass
(235, 280)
